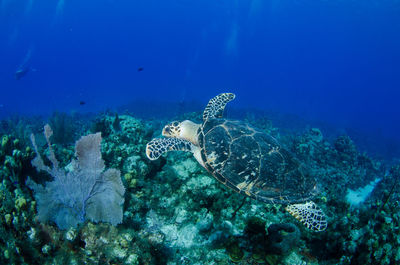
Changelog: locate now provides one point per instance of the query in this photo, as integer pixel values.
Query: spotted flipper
(215, 107)
(158, 146)
(309, 214)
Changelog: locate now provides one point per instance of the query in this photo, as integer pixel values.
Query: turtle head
(183, 130)
(172, 129)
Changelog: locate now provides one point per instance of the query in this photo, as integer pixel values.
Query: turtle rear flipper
(216, 105)
(309, 214)
(158, 146)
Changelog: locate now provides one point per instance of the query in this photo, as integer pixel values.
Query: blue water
(331, 61)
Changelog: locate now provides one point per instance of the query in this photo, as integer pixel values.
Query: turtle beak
(166, 131)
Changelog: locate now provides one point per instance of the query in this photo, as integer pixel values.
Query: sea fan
(84, 192)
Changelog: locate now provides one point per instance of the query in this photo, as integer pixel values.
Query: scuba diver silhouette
(24, 67)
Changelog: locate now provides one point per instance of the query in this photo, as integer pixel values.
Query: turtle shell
(253, 163)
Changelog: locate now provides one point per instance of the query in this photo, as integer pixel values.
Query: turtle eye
(167, 130)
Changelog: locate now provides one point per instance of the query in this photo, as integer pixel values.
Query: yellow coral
(20, 203)
(8, 219)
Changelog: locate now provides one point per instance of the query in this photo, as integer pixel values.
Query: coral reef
(177, 213)
(282, 238)
(15, 159)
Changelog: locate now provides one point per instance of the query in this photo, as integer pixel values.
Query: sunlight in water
(28, 7)
(231, 43)
(255, 7)
(59, 10)
(3, 5)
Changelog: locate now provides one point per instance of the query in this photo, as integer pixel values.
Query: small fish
(140, 69)
(82, 102)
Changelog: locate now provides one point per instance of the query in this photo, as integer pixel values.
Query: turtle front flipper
(309, 214)
(158, 146)
(215, 107)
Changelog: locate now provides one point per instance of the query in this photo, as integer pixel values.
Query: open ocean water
(300, 164)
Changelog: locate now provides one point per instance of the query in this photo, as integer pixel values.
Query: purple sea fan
(86, 191)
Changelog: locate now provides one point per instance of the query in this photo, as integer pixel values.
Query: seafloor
(176, 213)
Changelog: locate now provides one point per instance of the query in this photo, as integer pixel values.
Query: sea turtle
(245, 159)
